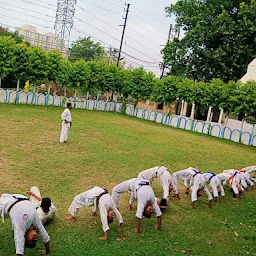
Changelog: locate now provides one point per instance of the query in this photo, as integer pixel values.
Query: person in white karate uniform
(146, 201)
(246, 177)
(25, 222)
(66, 123)
(44, 207)
(164, 177)
(100, 199)
(198, 186)
(215, 184)
(187, 176)
(238, 176)
(231, 179)
(252, 172)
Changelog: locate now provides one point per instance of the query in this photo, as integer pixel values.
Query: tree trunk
(65, 91)
(49, 89)
(18, 84)
(98, 94)
(0, 82)
(87, 95)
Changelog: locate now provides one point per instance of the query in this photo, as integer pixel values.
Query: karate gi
(198, 183)
(251, 169)
(230, 178)
(43, 216)
(238, 177)
(214, 182)
(143, 193)
(23, 215)
(89, 198)
(186, 175)
(246, 178)
(65, 116)
(106, 203)
(162, 174)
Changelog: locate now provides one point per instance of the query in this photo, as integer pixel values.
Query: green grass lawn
(105, 149)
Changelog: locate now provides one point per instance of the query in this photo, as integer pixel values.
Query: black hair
(30, 244)
(68, 104)
(163, 202)
(46, 203)
(110, 219)
(146, 214)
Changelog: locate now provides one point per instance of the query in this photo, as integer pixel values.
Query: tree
(7, 56)
(79, 76)
(21, 64)
(14, 35)
(219, 39)
(85, 49)
(38, 65)
(165, 90)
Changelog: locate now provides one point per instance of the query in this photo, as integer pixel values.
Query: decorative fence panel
(247, 136)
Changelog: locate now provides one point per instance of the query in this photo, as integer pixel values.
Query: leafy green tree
(186, 90)
(165, 90)
(14, 35)
(79, 76)
(219, 39)
(21, 64)
(38, 65)
(7, 56)
(85, 49)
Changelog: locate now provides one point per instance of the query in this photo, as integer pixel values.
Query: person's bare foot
(103, 238)
(121, 228)
(136, 230)
(71, 218)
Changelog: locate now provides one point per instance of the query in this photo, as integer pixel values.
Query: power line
(54, 5)
(97, 17)
(27, 14)
(139, 59)
(98, 6)
(28, 10)
(36, 4)
(25, 21)
(114, 38)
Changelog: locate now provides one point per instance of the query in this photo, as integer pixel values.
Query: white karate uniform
(198, 183)
(125, 186)
(214, 182)
(238, 176)
(186, 175)
(87, 198)
(66, 115)
(251, 169)
(145, 195)
(227, 177)
(43, 216)
(246, 177)
(106, 203)
(23, 215)
(162, 174)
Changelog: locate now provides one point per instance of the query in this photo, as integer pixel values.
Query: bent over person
(25, 222)
(164, 177)
(147, 202)
(66, 123)
(100, 199)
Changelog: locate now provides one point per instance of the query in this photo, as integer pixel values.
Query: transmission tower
(64, 21)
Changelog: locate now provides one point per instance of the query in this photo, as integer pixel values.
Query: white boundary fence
(213, 129)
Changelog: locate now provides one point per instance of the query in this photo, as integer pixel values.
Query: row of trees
(23, 62)
(218, 42)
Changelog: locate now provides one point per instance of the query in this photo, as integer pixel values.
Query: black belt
(103, 193)
(18, 200)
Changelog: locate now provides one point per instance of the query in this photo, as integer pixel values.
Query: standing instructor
(66, 123)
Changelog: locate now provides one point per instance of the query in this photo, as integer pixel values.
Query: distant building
(251, 72)
(47, 41)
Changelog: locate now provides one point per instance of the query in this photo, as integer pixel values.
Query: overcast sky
(146, 32)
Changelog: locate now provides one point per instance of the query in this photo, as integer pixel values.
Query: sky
(145, 35)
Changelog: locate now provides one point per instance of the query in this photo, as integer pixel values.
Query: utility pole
(162, 65)
(121, 44)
